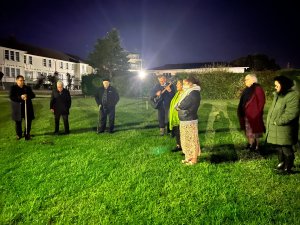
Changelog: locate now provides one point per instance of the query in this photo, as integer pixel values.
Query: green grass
(131, 177)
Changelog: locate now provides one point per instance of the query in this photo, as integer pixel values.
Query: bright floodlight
(142, 74)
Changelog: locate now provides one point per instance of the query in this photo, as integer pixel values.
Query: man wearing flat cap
(107, 98)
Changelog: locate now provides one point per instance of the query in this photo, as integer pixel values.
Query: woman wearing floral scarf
(187, 111)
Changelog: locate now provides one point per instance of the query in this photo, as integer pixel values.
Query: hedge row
(214, 85)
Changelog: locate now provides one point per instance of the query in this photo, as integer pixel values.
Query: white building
(32, 62)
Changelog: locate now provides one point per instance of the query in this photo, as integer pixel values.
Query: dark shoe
(111, 131)
(27, 137)
(100, 131)
(177, 149)
(67, 132)
(55, 133)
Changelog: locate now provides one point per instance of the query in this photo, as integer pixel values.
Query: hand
(158, 93)
(24, 97)
(52, 110)
(99, 106)
(168, 88)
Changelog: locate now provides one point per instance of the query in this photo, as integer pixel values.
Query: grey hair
(59, 83)
(253, 77)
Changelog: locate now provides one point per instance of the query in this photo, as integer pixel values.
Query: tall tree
(108, 57)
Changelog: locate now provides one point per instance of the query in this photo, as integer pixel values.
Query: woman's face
(248, 81)
(277, 86)
(179, 86)
(186, 84)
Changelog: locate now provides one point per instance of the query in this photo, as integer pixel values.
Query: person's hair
(59, 83)
(285, 83)
(19, 76)
(161, 76)
(193, 79)
(253, 77)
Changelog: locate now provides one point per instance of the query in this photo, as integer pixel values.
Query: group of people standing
(178, 112)
(21, 97)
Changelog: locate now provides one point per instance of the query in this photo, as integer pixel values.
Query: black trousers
(176, 133)
(286, 155)
(19, 127)
(66, 122)
(163, 117)
(104, 113)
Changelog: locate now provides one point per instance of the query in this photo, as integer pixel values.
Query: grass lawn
(132, 177)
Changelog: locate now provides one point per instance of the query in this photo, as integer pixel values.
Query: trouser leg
(161, 117)
(56, 120)
(177, 135)
(103, 115)
(19, 128)
(66, 123)
(111, 118)
(289, 157)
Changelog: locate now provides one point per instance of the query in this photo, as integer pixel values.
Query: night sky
(165, 31)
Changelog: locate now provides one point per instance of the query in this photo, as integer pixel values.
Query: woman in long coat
(250, 111)
(283, 122)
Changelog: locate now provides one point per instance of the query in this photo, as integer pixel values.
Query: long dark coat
(60, 102)
(18, 105)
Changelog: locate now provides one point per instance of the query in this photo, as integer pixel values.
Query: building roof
(191, 66)
(34, 50)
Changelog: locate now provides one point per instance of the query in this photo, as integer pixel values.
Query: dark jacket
(60, 102)
(253, 109)
(112, 97)
(166, 97)
(283, 119)
(188, 107)
(18, 105)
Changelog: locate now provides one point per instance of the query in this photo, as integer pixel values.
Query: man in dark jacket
(20, 96)
(163, 92)
(60, 105)
(107, 98)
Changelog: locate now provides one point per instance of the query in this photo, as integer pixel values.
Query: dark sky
(165, 31)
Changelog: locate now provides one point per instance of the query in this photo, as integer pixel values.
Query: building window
(61, 65)
(18, 56)
(7, 71)
(12, 55)
(67, 66)
(18, 72)
(44, 62)
(30, 60)
(6, 54)
(13, 72)
(50, 63)
(73, 66)
(25, 59)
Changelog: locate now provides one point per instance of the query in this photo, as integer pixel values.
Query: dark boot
(281, 160)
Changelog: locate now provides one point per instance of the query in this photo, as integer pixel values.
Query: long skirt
(248, 130)
(189, 139)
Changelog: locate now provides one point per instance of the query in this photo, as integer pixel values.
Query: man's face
(20, 82)
(105, 84)
(59, 88)
(162, 80)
